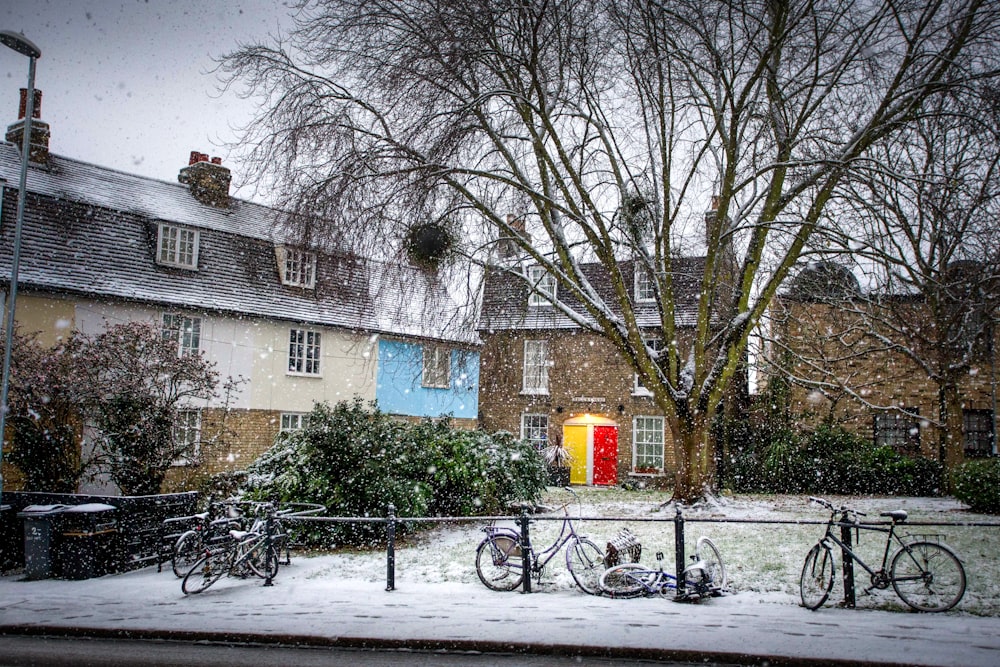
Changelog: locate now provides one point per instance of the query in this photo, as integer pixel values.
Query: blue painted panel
(399, 389)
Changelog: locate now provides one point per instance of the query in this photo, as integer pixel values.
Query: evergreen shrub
(828, 460)
(977, 484)
(357, 460)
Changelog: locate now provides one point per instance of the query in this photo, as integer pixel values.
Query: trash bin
(87, 541)
(40, 537)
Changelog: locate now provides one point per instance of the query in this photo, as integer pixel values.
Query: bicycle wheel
(625, 580)
(205, 572)
(928, 576)
(499, 563)
(705, 550)
(585, 561)
(817, 577)
(187, 550)
(263, 559)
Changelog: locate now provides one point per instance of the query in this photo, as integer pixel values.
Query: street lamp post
(25, 47)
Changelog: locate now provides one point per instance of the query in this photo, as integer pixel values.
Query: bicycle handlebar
(844, 509)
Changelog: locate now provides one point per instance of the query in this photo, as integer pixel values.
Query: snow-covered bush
(357, 461)
(829, 460)
(977, 484)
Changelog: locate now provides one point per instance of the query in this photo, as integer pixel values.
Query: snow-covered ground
(340, 598)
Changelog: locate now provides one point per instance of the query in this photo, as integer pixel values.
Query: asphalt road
(24, 651)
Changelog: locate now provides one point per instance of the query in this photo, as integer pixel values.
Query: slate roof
(505, 299)
(91, 231)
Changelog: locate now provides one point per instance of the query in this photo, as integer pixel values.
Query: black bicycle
(925, 573)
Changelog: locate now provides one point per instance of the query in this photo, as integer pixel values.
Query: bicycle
(925, 573)
(242, 555)
(500, 559)
(705, 577)
(190, 545)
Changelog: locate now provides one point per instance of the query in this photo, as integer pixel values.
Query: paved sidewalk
(307, 605)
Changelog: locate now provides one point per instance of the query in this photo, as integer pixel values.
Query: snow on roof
(92, 231)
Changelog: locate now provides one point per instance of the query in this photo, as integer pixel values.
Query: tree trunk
(952, 444)
(695, 463)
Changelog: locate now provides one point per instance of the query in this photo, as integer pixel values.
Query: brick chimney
(39, 144)
(208, 179)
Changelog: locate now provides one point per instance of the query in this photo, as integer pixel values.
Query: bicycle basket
(623, 547)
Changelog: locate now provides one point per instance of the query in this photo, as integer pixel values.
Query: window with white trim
(177, 246)
(899, 430)
(536, 367)
(303, 352)
(299, 268)
(542, 287)
(639, 389)
(647, 444)
(293, 421)
(436, 367)
(185, 331)
(186, 435)
(645, 289)
(535, 429)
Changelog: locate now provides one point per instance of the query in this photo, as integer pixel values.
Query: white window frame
(185, 330)
(177, 246)
(637, 387)
(542, 286)
(535, 375)
(187, 429)
(648, 426)
(293, 421)
(436, 367)
(535, 429)
(644, 287)
(298, 268)
(304, 352)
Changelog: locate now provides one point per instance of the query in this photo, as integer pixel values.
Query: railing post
(845, 537)
(390, 549)
(526, 564)
(268, 528)
(679, 551)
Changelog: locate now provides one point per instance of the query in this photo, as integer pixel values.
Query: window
(899, 430)
(543, 286)
(657, 346)
(185, 331)
(293, 421)
(187, 436)
(177, 246)
(535, 429)
(977, 432)
(299, 268)
(645, 290)
(303, 352)
(647, 445)
(536, 367)
(437, 367)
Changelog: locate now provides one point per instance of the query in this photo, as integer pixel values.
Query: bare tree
(486, 115)
(926, 207)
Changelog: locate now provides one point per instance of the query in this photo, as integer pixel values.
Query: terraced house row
(303, 322)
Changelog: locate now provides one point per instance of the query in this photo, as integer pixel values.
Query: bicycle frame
(538, 559)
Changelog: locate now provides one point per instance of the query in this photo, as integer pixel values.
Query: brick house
(301, 323)
(865, 385)
(545, 379)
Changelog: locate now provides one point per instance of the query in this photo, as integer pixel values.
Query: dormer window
(297, 267)
(542, 286)
(177, 246)
(645, 289)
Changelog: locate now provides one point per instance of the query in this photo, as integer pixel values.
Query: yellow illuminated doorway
(579, 438)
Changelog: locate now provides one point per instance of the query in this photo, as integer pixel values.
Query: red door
(605, 455)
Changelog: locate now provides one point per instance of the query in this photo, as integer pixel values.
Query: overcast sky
(126, 83)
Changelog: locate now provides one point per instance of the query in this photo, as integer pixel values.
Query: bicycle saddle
(895, 515)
